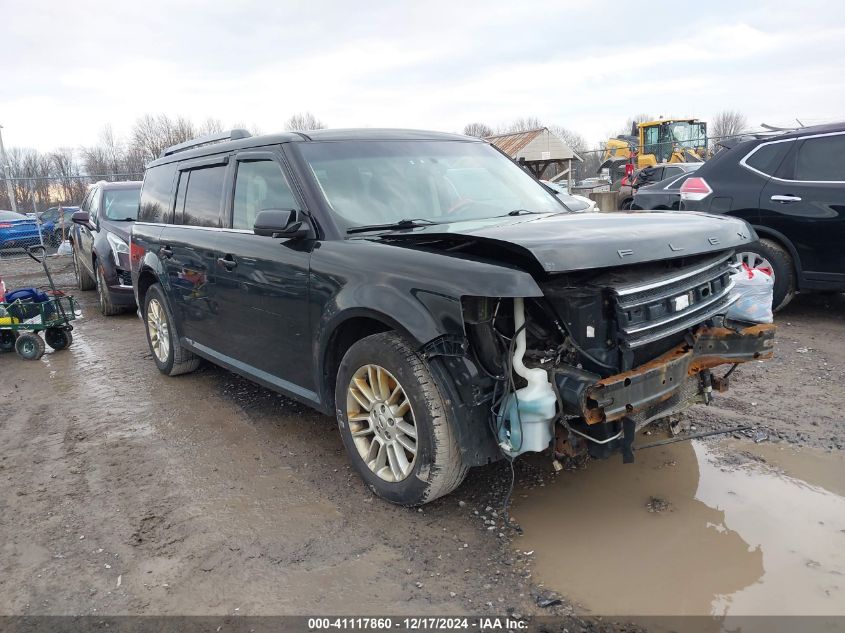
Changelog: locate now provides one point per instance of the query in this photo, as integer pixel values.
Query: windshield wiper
(122, 219)
(522, 212)
(401, 224)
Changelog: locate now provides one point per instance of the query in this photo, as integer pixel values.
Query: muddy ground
(126, 492)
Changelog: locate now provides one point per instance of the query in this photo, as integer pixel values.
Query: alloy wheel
(159, 330)
(755, 260)
(382, 423)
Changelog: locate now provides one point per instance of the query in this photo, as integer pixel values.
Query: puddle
(730, 536)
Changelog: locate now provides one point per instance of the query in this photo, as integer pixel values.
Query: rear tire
(30, 346)
(436, 466)
(626, 204)
(170, 356)
(7, 340)
(58, 338)
(83, 279)
(783, 269)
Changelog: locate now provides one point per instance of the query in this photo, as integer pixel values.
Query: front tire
(84, 281)
(394, 423)
(30, 346)
(769, 254)
(106, 305)
(170, 356)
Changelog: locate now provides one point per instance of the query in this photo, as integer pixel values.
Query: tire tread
(789, 264)
(448, 469)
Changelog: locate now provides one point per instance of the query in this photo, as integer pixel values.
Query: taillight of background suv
(695, 188)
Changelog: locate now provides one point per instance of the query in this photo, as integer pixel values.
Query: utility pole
(9, 189)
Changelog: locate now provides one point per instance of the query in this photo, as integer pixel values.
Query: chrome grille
(647, 312)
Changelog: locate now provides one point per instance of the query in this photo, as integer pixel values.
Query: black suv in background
(791, 189)
(101, 243)
(629, 185)
(436, 299)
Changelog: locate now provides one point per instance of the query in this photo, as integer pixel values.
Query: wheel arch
(346, 330)
(146, 278)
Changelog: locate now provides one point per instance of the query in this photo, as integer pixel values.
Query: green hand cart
(21, 321)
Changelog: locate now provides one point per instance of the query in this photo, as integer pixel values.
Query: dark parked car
(379, 277)
(101, 243)
(791, 189)
(647, 176)
(17, 231)
(663, 195)
(54, 225)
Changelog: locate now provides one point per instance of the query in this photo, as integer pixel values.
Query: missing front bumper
(664, 384)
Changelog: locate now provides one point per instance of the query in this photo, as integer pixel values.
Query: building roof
(513, 143)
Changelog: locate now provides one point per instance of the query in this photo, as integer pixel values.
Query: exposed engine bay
(605, 352)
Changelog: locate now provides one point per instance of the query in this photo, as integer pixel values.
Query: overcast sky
(68, 68)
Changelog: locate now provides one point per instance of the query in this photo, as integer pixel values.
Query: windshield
(382, 182)
(121, 204)
(687, 134)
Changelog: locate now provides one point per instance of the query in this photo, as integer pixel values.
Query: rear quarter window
(157, 194)
(821, 159)
(768, 157)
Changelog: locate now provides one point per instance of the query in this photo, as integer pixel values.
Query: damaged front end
(611, 351)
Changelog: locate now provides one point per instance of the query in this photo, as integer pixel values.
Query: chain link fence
(37, 211)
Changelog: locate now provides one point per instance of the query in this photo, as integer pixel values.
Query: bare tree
(151, 134)
(302, 121)
(210, 126)
(523, 124)
(630, 125)
(479, 130)
(575, 141)
(728, 123)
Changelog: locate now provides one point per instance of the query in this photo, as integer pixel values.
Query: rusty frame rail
(624, 394)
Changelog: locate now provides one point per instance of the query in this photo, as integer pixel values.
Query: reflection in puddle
(688, 530)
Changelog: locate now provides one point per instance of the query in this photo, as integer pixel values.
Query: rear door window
(259, 185)
(203, 197)
(821, 159)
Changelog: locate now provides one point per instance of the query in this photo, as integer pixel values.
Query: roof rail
(229, 135)
(774, 128)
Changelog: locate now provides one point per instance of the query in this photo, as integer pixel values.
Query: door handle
(779, 198)
(166, 252)
(227, 262)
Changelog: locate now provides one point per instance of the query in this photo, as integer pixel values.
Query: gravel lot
(126, 492)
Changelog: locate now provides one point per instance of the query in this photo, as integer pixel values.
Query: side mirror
(82, 218)
(287, 223)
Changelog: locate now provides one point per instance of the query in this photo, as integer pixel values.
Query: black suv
(791, 189)
(434, 297)
(101, 243)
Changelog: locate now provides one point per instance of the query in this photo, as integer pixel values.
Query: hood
(121, 229)
(580, 241)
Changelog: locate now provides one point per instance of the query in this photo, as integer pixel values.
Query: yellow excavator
(660, 141)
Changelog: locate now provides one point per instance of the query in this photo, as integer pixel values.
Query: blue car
(17, 230)
(51, 224)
